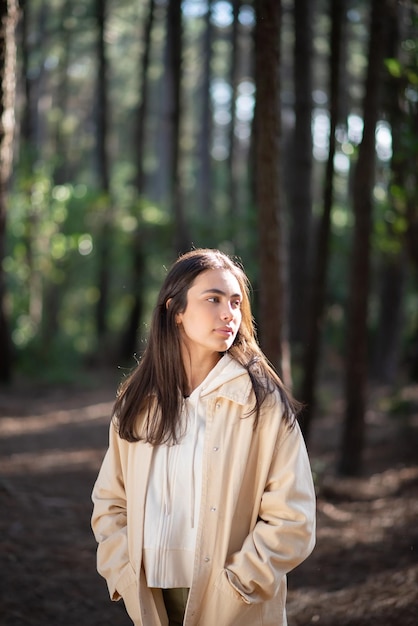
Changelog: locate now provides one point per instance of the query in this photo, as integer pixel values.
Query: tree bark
(103, 240)
(321, 258)
(272, 290)
(181, 238)
(205, 138)
(393, 262)
(129, 340)
(232, 154)
(8, 20)
(61, 173)
(300, 209)
(356, 369)
(389, 330)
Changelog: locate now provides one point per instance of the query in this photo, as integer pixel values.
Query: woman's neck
(198, 369)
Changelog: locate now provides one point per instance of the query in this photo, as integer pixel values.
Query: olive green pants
(175, 601)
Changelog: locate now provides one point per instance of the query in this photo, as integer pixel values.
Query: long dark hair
(149, 400)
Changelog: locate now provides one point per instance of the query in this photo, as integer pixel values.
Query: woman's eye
(213, 299)
(236, 304)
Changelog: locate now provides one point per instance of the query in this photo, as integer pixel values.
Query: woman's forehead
(217, 279)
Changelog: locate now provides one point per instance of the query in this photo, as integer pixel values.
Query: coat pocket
(130, 597)
(128, 588)
(232, 609)
(224, 605)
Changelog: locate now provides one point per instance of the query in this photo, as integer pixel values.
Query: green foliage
(59, 222)
(55, 363)
(51, 267)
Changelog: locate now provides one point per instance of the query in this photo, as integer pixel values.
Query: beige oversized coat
(257, 515)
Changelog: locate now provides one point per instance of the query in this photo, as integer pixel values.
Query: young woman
(205, 499)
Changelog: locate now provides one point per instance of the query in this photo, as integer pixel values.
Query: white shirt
(173, 498)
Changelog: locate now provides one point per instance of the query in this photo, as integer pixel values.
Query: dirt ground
(363, 572)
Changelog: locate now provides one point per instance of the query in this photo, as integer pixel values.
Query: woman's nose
(227, 313)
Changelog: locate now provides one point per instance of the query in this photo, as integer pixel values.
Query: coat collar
(232, 384)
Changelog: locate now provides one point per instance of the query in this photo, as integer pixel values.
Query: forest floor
(363, 571)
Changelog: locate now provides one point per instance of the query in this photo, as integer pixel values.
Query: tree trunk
(393, 267)
(412, 224)
(33, 36)
(232, 154)
(8, 20)
(321, 259)
(300, 209)
(205, 139)
(61, 169)
(181, 238)
(389, 331)
(103, 239)
(129, 340)
(31, 139)
(26, 123)
(272, 294)
(356, 372)
(52, 293)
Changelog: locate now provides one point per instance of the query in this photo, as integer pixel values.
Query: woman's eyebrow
(221, 293)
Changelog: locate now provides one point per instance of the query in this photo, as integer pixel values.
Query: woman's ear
(178, 315)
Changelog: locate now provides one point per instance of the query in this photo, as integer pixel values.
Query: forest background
(282, 132)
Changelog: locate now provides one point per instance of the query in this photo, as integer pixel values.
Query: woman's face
(212, 316)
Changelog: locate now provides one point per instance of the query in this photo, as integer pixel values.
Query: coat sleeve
(284, 534)
(109, 519)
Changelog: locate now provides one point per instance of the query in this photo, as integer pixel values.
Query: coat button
(215, 448)
(213, 509)
(206, 559)
(218, 405)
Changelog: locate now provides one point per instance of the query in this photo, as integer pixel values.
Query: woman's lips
(226, 331)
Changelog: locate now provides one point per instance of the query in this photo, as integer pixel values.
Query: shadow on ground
(363, 571)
